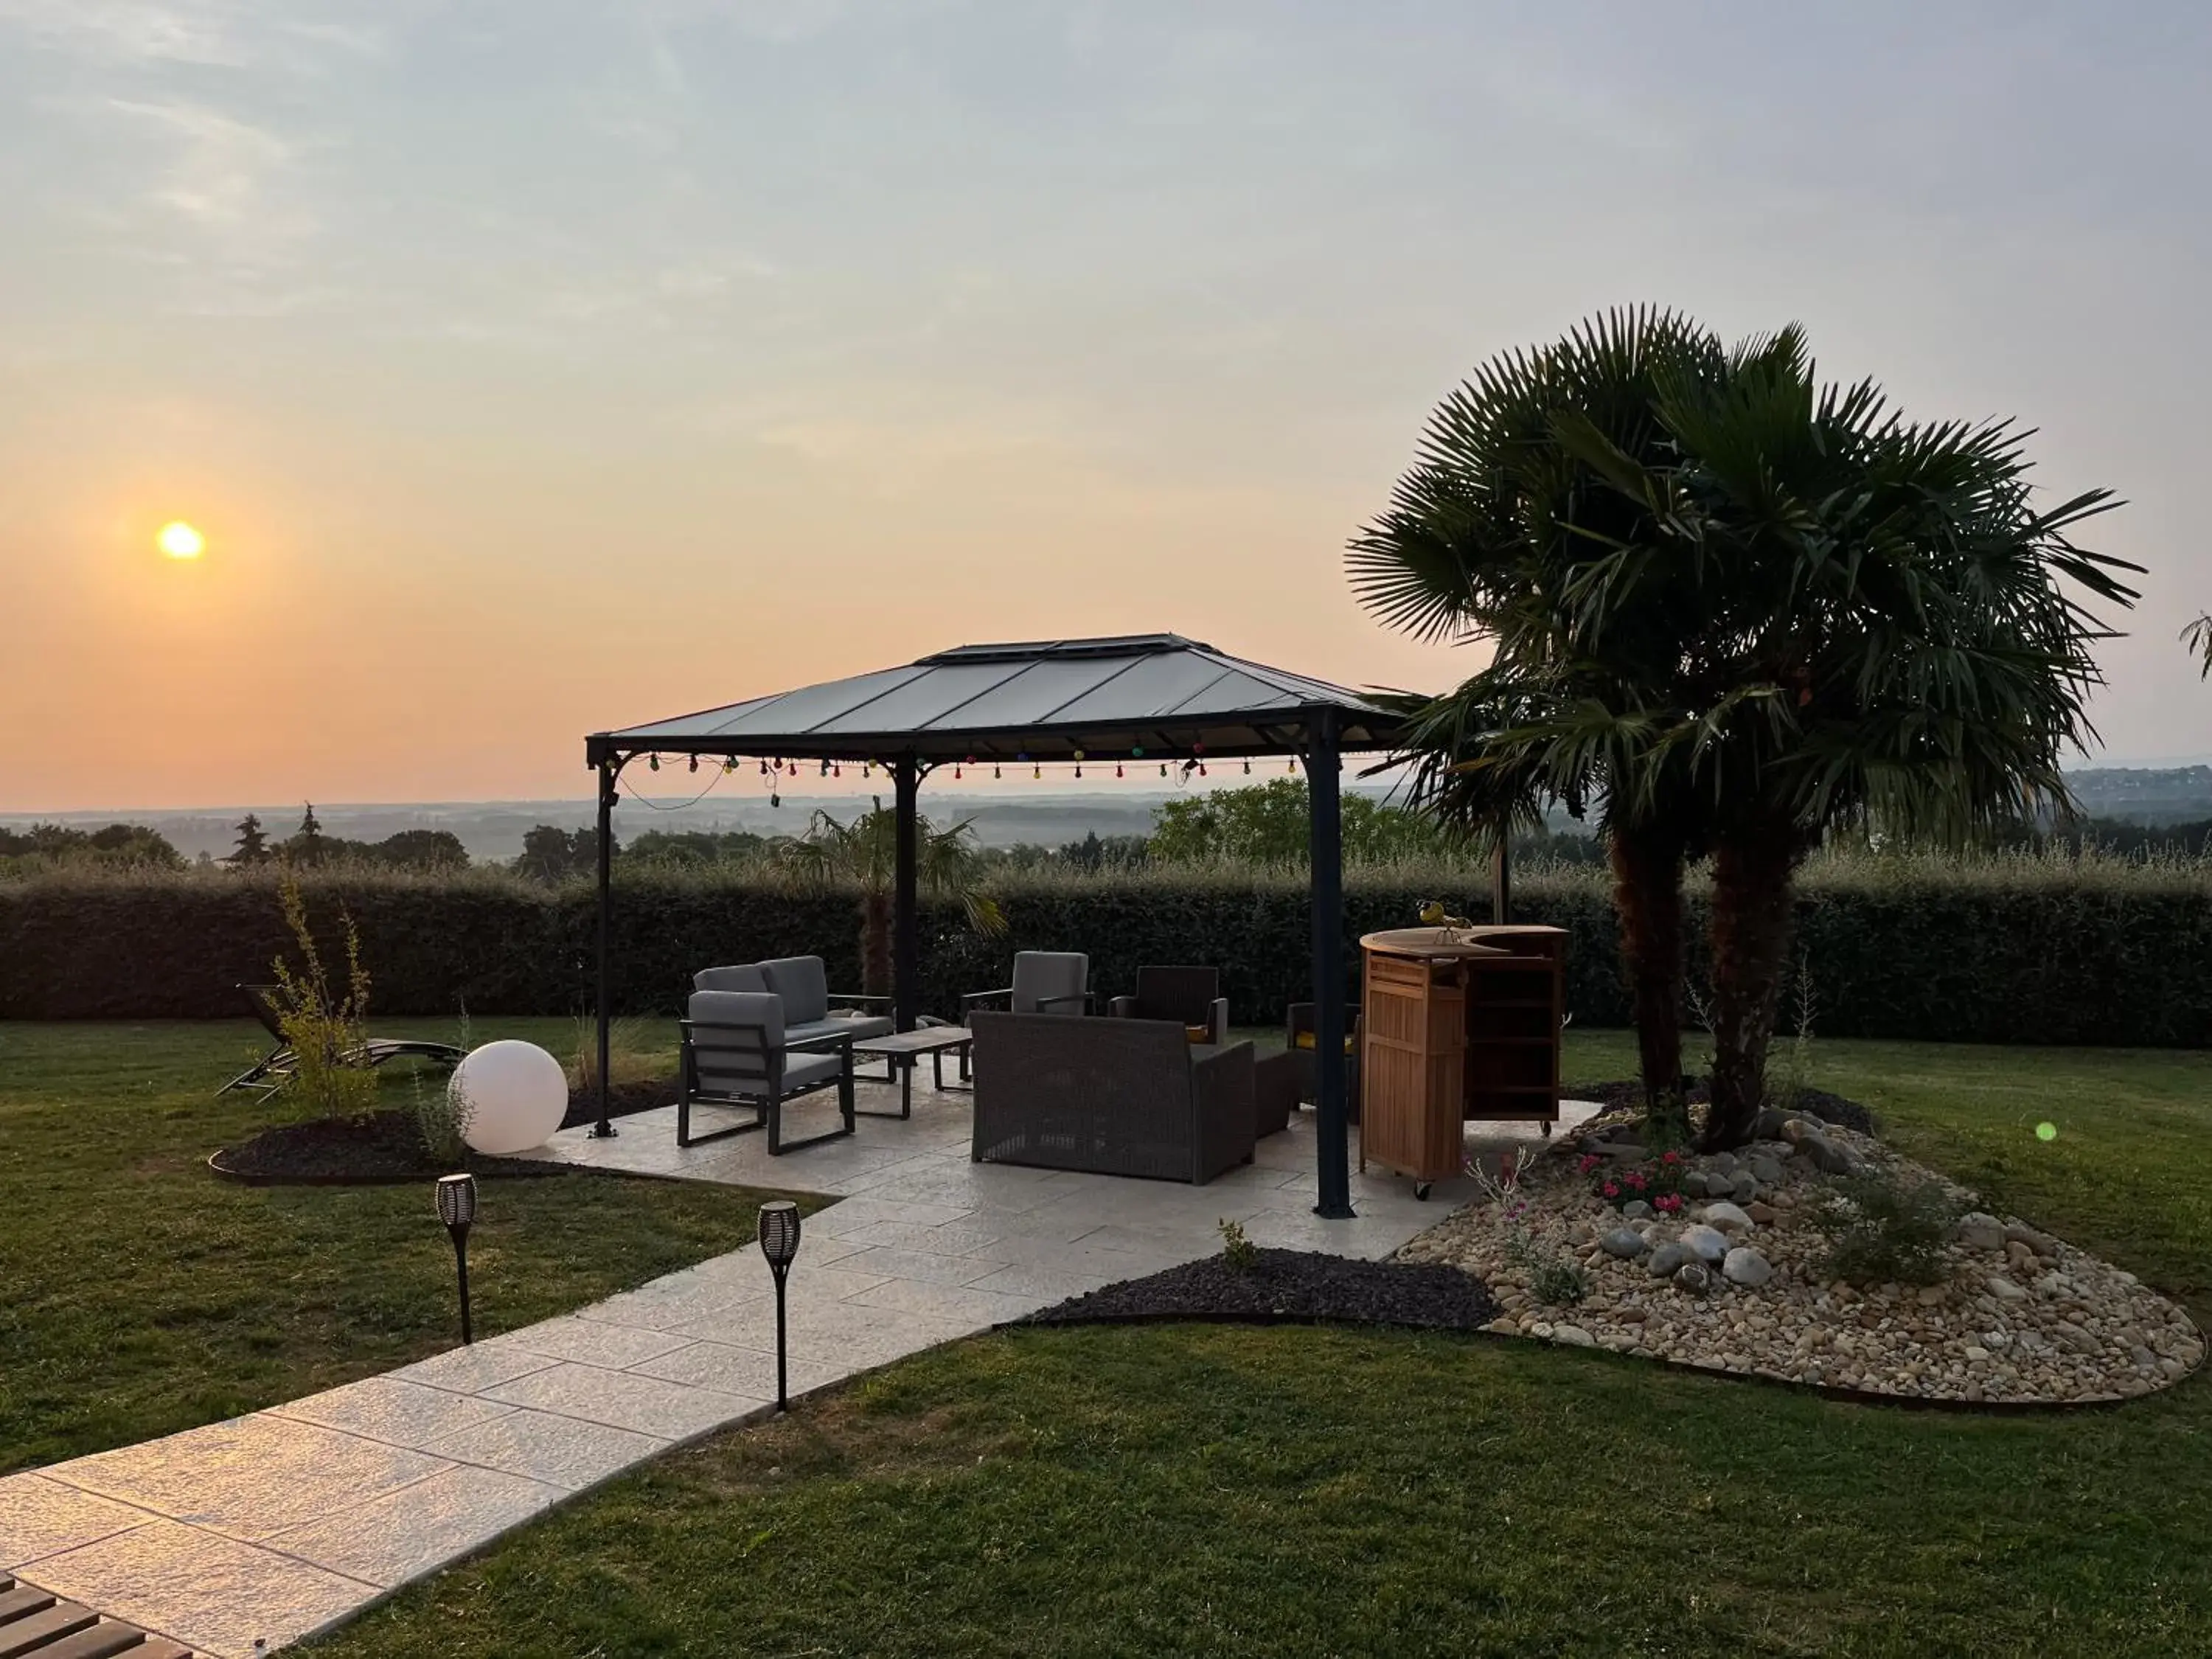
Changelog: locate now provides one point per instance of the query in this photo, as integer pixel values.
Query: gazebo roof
(1159, 693)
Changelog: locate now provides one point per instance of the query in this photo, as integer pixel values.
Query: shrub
(1884, 1229)
(327, 1032)
(1239, 1253)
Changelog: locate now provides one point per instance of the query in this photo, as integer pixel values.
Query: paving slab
(557, 1451)
(396, 1412)
(406, 1533)
(623, 1400)
(40, 1518)
(228, 1599)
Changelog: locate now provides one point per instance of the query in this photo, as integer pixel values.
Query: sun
(179, 540)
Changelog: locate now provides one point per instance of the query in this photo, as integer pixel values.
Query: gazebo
(1151, 697)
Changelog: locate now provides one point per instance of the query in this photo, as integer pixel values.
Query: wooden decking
(34, 1624)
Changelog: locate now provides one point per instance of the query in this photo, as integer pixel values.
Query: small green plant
(1783, 1087)
(442, 1118)
(1239, 1253)
(624, 1065)
(1558, 1283)
(327, 1033)
(1882, 1229)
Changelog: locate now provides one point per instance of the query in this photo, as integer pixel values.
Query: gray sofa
(1114, 1096)
(737, 1052)
(810, 1010)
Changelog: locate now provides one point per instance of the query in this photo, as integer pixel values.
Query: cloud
(219, 168)
(224, 33)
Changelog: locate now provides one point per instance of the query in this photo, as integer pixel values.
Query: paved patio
(247, 1534)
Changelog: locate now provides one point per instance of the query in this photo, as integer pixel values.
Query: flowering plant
(1658, 1182)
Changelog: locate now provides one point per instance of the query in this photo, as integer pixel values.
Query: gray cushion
(859, 1027)
(803, 984)
(1039, 974)
(739, 1008)
(804, 1071)
(748, 977)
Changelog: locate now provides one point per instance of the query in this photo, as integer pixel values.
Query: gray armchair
(1114, 1096)
(737, 1052)
(1045, 982)
(1189, 996)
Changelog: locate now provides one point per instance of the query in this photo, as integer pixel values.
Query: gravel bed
(1739, 1279)
(1289, 1284)
(1627, 1094)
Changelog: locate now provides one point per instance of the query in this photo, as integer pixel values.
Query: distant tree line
(116, 844)
(309, 848)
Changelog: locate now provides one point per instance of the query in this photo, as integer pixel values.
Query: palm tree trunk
(1647, 892)
(1753, 887)
(875, 942)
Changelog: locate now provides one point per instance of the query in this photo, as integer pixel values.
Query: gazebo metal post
(1332, 1153)
(906, 944)
(608, 769)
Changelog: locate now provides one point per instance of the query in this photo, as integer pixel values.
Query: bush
(2021, 948)
(1884, 1230)
(327, 1031)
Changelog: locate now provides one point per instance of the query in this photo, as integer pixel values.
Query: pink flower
(1669, 1202)
(1670, 1157)
(1590, 1161)
(1612, 1190)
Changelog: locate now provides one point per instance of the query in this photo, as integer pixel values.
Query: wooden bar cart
(1458, 1025)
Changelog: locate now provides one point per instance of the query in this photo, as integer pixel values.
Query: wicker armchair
(1189, 996)
(1113, 1097)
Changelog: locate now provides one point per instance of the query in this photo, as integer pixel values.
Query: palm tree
(1778, 611)
(2197, 636)
(864, 854)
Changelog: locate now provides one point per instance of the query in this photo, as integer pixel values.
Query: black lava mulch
(383, 1146)
(1829, 1108)
(1290, 1285)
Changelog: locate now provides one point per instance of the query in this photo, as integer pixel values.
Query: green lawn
(1182, 1490)
(140, 1295)
(1169, 1490)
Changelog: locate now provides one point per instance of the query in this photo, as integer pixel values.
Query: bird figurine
(1433, 914)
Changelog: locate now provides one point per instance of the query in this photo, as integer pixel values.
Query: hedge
(2028, 949)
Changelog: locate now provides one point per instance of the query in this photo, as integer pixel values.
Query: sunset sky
(535, 368)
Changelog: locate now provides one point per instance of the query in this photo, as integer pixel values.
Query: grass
(140, 1295)
(1169, 1490)
(1187, 1490)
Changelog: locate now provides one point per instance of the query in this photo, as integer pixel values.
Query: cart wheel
(1546, 1130)
(1421, 1190)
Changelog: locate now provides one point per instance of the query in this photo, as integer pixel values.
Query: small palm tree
(1748, 608)
(2197, 636)
(864, 854)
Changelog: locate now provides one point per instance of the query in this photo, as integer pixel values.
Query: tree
(252, 847)
(2197, 636)
(419, 849)
(1749, 609)
(553, 854)
(309, 846)
(864, 854)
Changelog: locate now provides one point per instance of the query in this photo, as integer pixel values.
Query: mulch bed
(1291, 1287)
(384, 1146)
(1628, 1095)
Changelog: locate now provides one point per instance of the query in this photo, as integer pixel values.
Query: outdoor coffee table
(901, 1049)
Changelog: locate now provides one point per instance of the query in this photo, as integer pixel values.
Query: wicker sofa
(1112, 1096)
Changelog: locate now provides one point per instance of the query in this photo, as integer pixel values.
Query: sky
(537, 369)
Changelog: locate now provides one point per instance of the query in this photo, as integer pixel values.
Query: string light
(825, 769)
(763, 769)
(838, 770)
(695, 764)
(1164, 769)
(1079, 762)
(1248, 768)
(995, 772)
(654, 762)
(729, 766)
(1117, 768)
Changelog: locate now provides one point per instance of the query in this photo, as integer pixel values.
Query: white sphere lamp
(512, 1096)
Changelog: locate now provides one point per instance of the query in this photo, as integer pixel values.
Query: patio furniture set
(1154, 1088)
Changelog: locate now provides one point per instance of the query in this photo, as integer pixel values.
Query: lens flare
(179, 540)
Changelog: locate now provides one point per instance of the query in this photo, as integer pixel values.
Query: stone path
(248, 1534)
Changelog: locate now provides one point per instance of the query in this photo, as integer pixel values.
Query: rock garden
(1816, 1255)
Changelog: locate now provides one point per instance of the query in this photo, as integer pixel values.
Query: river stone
(1726, 1217)
(1980, 1232)
(1624, 1242)
(1573, 1335)
(1827, 1158)
(1705, 1243)
(1636, 1210)
(1767, 1125)
(2005, 1290)
(1744, 1265)
(1693, 1184)
(1693, 1277)
(1745, 1188)
(1764, 1169)
(1666, 1259)
(2018, 1233)
(1722, 1164)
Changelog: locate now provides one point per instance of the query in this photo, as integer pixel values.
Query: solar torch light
(779, 1242)
(457, 1208)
